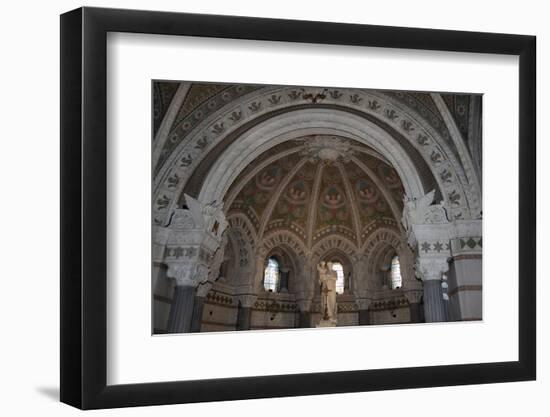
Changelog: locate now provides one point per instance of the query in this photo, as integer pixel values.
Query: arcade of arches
(256, 186)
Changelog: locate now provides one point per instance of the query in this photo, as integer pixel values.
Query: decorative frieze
(213, 297)
(183, 155)
(389, 304)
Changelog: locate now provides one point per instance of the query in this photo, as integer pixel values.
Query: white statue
(327, 279)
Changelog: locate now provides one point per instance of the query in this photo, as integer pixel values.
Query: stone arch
(291, 245)
(305, 122)
(340, 256)
(242, 236)
(333, 243)
(240, 221)
(381, 245)
(378, 106)
(284, 238)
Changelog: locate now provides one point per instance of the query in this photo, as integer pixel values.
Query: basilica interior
(254, 186)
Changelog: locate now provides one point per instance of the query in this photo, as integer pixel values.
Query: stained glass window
(337, 266)
(395, 273)
(271, 275)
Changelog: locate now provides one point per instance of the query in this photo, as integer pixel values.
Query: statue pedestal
(326, 323)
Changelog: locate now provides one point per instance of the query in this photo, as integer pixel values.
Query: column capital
(187, 274)
(363, 303)
(431, 268)
(247, 300)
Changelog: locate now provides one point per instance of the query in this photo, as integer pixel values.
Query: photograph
(281, 207)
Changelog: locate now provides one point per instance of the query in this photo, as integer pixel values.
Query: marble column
(181, 311)
(465, 273)
(193, 238)
(196, 319)
(435, 308)
(415, 306)
(304, 317)
(429, 230)
(244, 312)
(431, 270)
(304, 321)
(364, 311)
(188, 277)
(198, 306)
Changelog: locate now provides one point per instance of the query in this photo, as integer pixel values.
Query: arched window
(272, 275)
(338, 267)
(395, 273)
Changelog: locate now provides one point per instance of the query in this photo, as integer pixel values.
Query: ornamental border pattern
(448, 172)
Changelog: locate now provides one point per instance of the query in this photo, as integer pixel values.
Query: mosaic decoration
(314, 202)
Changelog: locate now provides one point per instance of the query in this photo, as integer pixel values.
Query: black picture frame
(84, 207)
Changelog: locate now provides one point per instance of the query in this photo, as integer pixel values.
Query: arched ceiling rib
(211, 117)
(194, 184)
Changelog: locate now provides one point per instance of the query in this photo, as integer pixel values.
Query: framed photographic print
(258, 208)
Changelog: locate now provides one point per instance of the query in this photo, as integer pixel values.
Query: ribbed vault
(316, 186)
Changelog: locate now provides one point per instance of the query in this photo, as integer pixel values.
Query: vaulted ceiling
(318, 185)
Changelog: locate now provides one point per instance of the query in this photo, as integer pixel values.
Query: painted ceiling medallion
(327, 148)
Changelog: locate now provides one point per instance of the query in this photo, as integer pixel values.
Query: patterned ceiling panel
(387, 175)
(333, 206)
(254, 197)
(312, 196)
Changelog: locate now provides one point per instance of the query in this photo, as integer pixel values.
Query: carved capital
(247, 300)
(363, 303)
(431, 268)
(187, 274)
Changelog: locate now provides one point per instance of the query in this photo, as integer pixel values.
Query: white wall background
(29, 177)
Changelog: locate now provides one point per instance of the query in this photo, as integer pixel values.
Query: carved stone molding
(467, 238)
(207, 126)
(327, 148)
